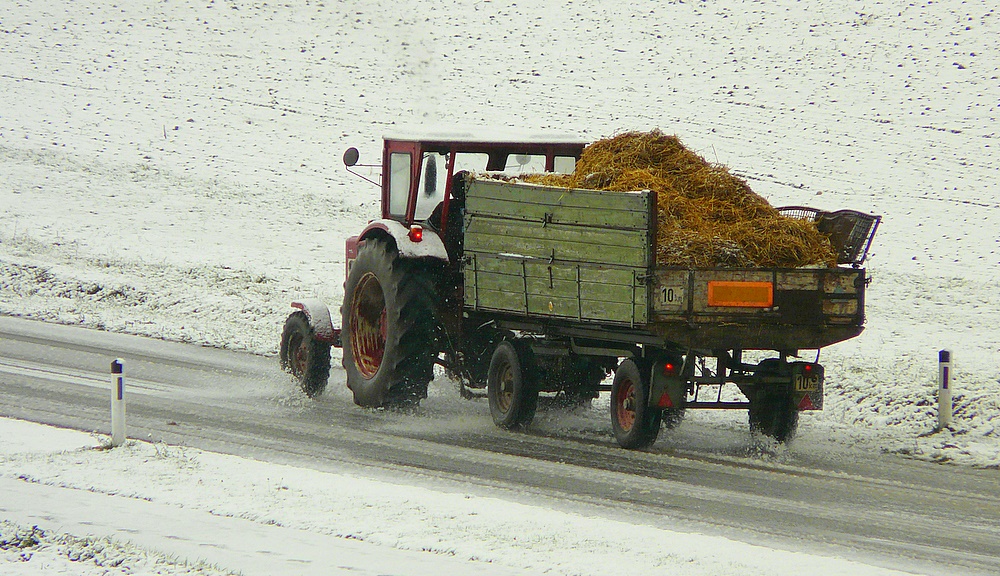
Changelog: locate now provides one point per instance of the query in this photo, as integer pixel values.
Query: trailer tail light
(416, 233)
(741, 294)
(670, 369)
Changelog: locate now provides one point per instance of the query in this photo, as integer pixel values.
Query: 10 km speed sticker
(807, 382)
(669, 298)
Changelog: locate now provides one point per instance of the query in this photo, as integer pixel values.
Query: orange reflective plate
(741, 294)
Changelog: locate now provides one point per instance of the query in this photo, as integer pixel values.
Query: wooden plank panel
(841, 281)
(559, 288)
(583, 245)
(539, 268)
(555, 233)
(500, 300)
(594, 310)
(555, 196)
(606, 217)
(798, 280)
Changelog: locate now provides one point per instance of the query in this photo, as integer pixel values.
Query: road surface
(705, 476)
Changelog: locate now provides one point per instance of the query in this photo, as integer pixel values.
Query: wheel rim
(505, 392)
(625, 405)
(368, 325)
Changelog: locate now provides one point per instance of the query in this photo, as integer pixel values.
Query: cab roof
(431, 138)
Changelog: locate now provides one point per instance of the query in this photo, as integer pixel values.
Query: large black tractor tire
(510, 388)
(389, 326)
(773, 414)
(302, 355)
(634, 422)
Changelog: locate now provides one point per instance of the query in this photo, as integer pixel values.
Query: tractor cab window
(399, 183)
(433, 177)
(564, 165)
(525, 163)
(471, 161)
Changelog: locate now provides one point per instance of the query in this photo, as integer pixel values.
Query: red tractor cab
(419, 184)
(403, 271)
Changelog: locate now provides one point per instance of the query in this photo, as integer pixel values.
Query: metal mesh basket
(851, 232)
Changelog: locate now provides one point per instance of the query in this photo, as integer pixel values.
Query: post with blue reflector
(117, 403)
(944, 389)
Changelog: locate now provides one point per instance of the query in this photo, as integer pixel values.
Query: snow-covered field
(172, 168)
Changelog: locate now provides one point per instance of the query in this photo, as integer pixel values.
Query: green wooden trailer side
(571, 257)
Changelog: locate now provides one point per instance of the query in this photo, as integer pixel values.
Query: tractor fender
(318, 315)
(431, 246)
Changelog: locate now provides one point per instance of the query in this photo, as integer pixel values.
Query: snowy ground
(206, 513)
(171, 168)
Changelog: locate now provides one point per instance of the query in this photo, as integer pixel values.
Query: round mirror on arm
(351, 156)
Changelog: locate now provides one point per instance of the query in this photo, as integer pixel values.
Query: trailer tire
(634, 423)
(389, 327)
(773, 414)
(303, 356)
(512, 394)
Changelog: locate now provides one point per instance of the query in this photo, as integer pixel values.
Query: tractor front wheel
(302, 355)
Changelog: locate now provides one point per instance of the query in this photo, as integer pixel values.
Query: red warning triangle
(806, 404)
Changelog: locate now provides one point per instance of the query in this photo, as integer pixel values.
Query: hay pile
(707, 216)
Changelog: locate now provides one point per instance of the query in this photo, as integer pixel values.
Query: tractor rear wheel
(302, 355)
(389, 326)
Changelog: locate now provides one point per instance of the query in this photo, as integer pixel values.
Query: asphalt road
(708, 475)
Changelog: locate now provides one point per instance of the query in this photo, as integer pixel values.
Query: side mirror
(351, 156)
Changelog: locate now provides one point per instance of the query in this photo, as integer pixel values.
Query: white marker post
(944, 389)
(117, 403)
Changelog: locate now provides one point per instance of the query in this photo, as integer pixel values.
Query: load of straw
(707, 216)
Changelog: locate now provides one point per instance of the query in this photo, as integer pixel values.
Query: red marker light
(807, 368)
(670, 369)
(416, 233)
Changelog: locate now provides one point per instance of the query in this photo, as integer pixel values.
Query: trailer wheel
(512, 395)
(634, 422)
(302, 355)
(774, 414)
(388, 327)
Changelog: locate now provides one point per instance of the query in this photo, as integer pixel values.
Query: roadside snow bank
(146, 507)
